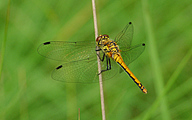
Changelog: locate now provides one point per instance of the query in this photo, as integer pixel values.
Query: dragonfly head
(100, 38)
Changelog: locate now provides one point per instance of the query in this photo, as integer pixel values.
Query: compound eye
(98, 38)
(107, 36)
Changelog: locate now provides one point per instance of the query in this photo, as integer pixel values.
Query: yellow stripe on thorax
(117, 57)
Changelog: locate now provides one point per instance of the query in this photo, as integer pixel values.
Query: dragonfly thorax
(109, 47)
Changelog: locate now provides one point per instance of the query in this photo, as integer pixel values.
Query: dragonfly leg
(100, 57)
(108, 65)
(97, 49)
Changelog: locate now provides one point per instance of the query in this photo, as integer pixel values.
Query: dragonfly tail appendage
(120, 61)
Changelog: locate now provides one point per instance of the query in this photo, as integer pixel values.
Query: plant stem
(99, 65)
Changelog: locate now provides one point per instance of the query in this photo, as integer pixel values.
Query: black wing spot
(59, 67)
(143, 44)
(130, 23)
(46, 43)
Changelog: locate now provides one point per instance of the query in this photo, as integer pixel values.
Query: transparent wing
(68, 51)
(77, 72)
(129, 54)
(85, 71)
(80, 61)
(124, 38)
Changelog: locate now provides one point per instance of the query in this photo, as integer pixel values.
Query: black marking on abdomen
(128, 73)
(125, 70)
(138, 83)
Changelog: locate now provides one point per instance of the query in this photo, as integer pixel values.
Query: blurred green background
(28, 92)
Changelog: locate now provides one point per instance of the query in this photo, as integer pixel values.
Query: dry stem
(99, 65)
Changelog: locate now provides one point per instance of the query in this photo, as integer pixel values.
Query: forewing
(124, 38)
(68, 51)
(129, 54)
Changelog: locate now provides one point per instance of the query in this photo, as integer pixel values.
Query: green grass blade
(155, 63)
(5, 39)
(2, 53)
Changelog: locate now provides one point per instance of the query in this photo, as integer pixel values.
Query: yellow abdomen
(117, 57)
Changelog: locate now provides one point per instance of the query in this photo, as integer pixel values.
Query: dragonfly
(80, 57)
